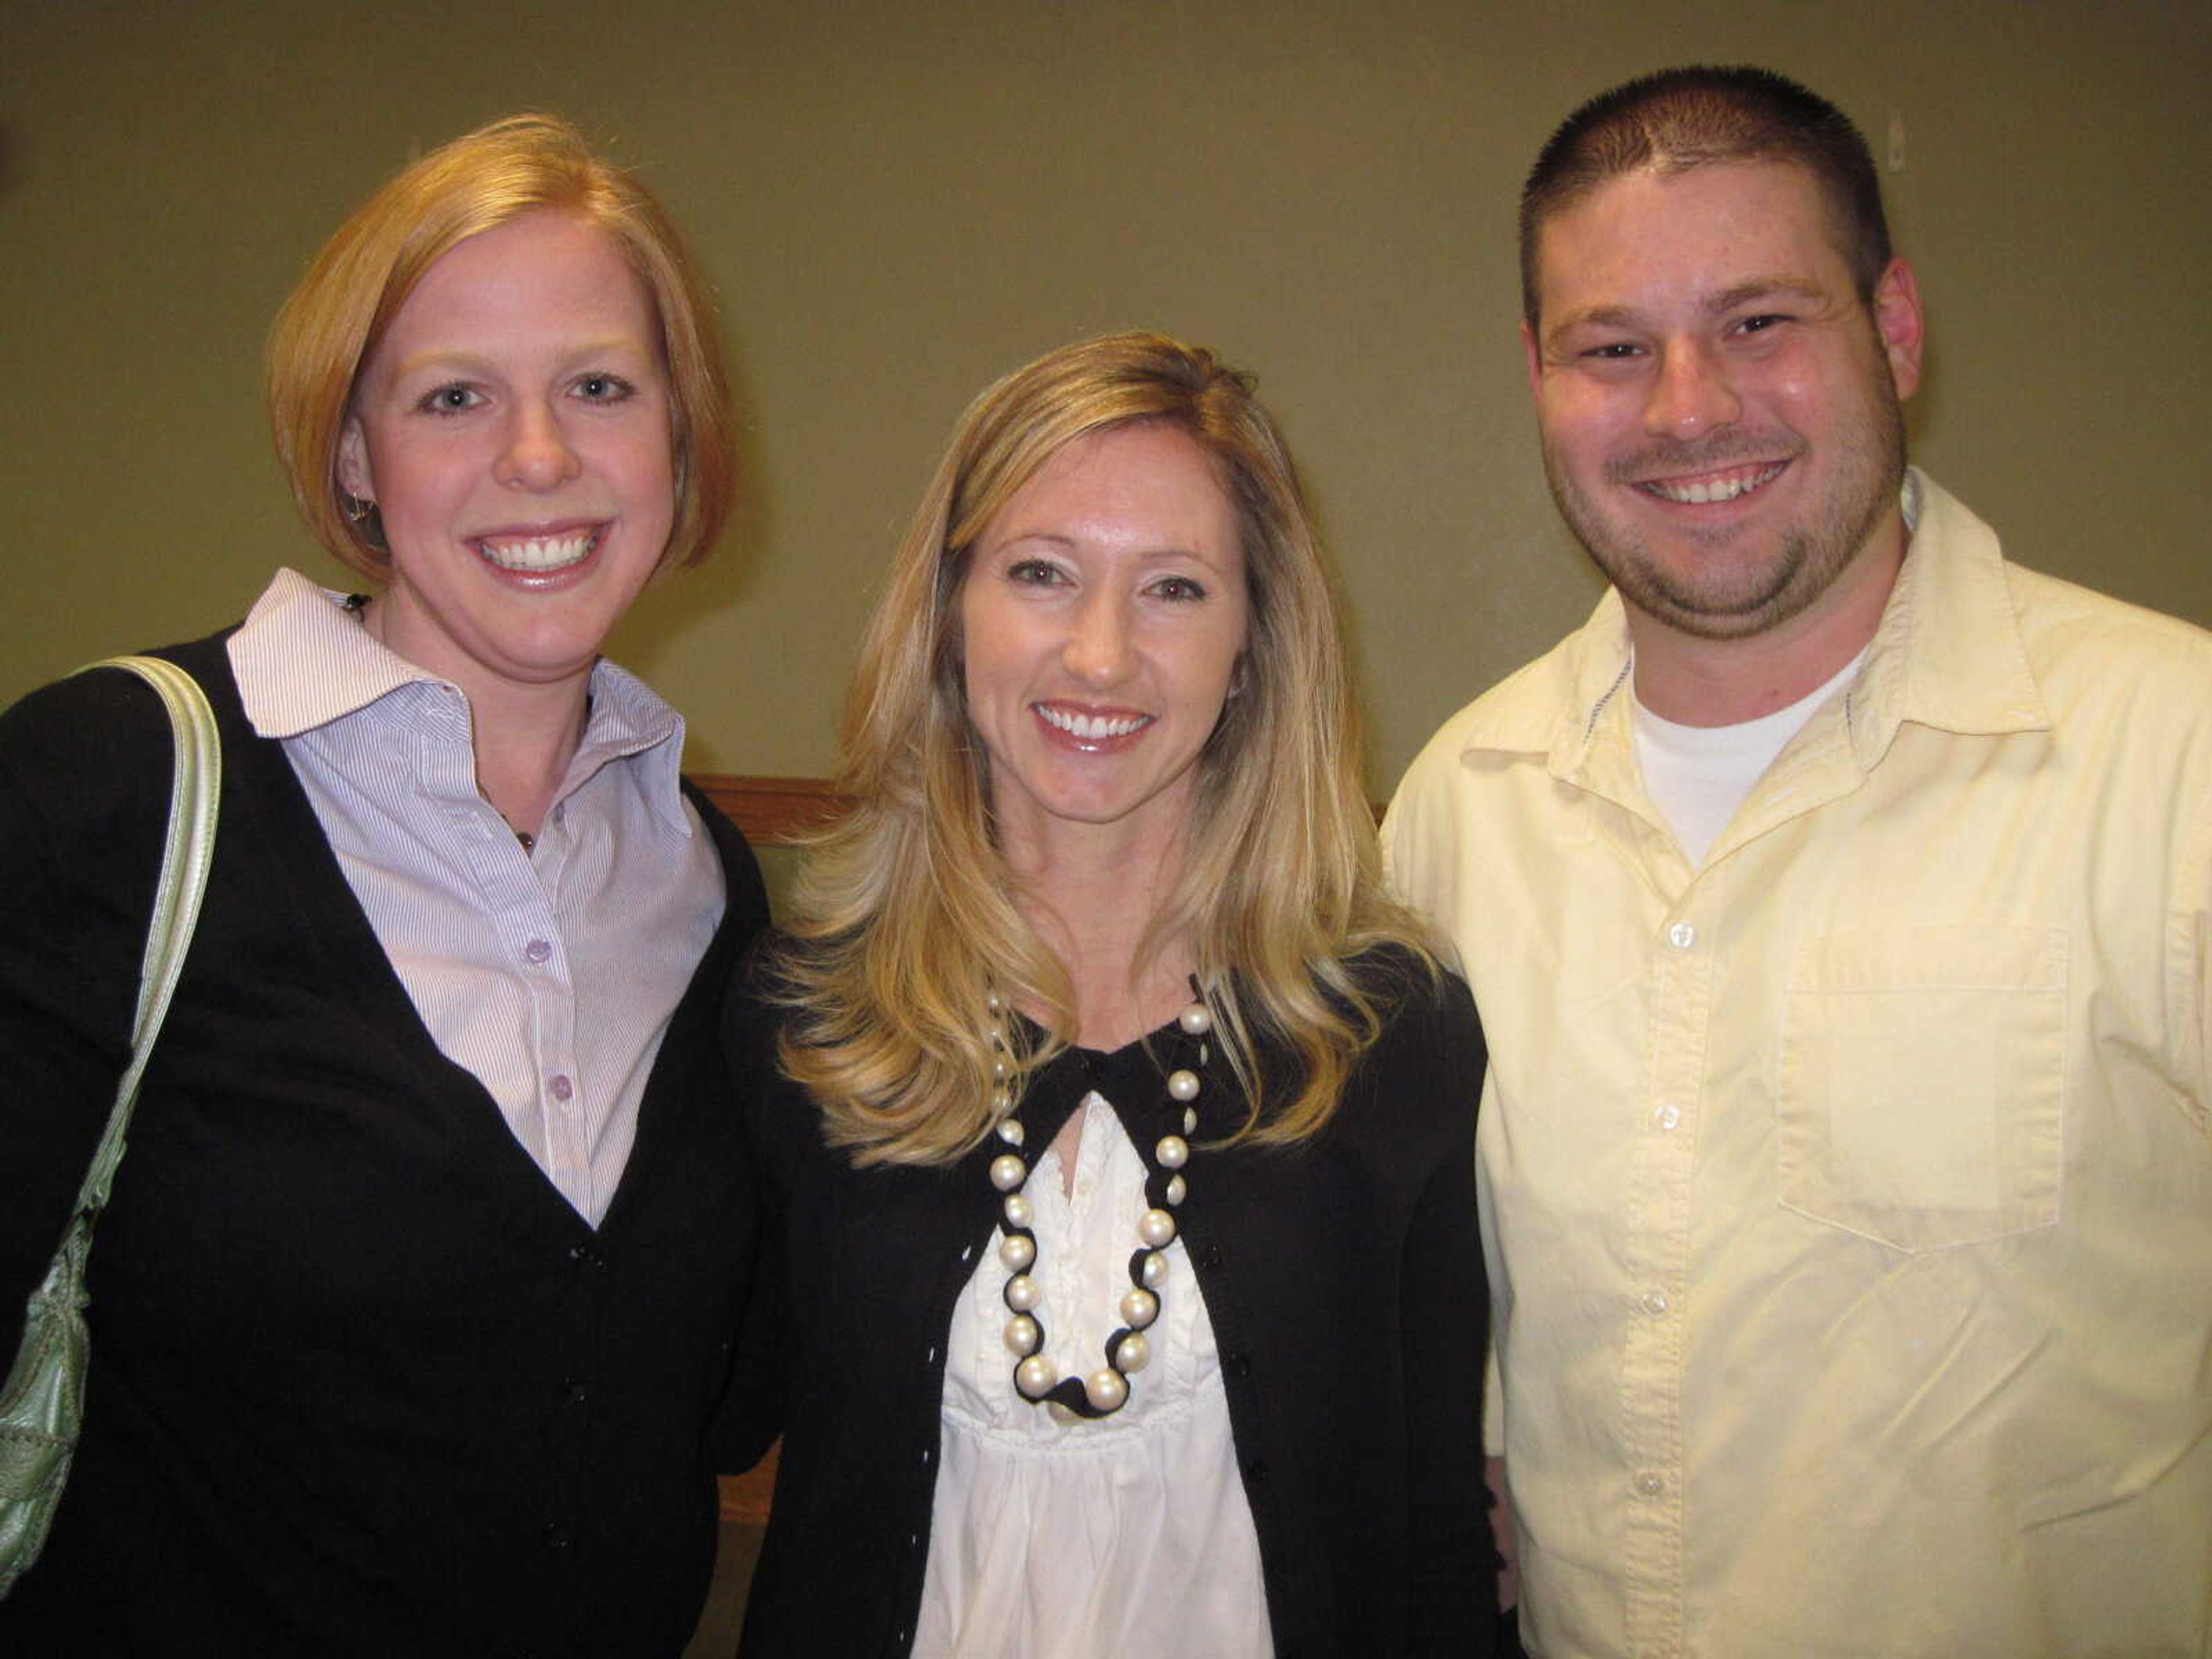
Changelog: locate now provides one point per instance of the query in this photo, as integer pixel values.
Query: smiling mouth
(1713, 486)
(1091, 728)
(538, 555)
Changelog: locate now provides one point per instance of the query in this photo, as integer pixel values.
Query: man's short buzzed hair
(1702, 116)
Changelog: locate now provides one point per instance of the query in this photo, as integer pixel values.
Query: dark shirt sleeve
(1452, 1578)
(753, 1412)
(84, 780)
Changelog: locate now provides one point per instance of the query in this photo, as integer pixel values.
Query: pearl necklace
(1128, 1350)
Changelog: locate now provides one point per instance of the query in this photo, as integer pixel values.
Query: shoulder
(1526, 713)
(2127, 689)
(2062, 623)
(1516, 713)
(2077, 644)
(85, 778)
(1541, 710)
(1429, 1024)
(756, 1012)
(99, 738)
(1432, 1003)
(1409, 1098)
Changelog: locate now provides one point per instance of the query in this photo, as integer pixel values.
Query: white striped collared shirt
(551, 975)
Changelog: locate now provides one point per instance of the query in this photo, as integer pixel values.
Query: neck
(525, 739)
(524, 734)
(1695, 681)
(1093, 899)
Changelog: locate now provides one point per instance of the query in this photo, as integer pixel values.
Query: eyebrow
(1804, 288)
(1166, 554)
(460, 357)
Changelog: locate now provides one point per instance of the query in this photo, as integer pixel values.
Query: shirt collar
(302, 660)
(629, 721)
(1947, 653)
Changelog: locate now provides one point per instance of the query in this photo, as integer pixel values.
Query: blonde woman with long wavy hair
(1116, 1127)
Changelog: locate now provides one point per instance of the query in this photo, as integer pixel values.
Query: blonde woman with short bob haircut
(412, 1303)
(1115, 1126)
(341, 308)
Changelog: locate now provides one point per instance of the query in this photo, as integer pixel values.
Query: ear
(1535, 356)
(1901, 325)
(354, 476)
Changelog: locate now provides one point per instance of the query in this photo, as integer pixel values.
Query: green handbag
(42, 1402)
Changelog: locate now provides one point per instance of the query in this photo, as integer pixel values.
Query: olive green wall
(898, 201)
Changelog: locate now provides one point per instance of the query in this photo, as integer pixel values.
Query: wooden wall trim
(746, 1496)
(773, 810)
(770, 811)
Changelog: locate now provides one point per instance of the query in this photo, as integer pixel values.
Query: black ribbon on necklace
(1190, 1051)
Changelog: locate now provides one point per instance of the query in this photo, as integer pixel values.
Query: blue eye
(450, 400)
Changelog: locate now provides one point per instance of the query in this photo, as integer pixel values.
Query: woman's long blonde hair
(905, 917)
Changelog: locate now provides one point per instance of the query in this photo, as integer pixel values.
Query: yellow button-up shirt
(1849, 1198)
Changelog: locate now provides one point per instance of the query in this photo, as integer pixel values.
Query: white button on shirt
(551, 975)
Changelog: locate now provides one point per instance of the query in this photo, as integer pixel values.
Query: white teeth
(540, 553)
(1092, 727)
(1726, 489)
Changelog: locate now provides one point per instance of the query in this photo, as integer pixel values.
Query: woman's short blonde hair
(905, 919)
(342, 307)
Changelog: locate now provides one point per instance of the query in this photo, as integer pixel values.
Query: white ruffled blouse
(1127, 1534)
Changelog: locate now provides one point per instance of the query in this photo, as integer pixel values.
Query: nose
(1691, 395)
(1098, 649)
(538, 455)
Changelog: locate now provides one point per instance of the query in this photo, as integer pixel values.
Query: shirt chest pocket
(1920, 1099)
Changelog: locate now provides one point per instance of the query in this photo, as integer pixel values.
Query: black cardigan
(363, 1382)
(1345, 1282)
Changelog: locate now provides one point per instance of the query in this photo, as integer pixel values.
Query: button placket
(1682, 974)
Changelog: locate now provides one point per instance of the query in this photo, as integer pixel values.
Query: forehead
(545, 267)
(1702, 231)
(1153, 469)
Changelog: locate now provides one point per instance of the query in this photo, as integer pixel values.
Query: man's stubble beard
(1805, 562)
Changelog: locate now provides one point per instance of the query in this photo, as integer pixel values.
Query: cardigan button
(1210, 1257)
(558, 1535)
(574, 1389)
(1237, 1365)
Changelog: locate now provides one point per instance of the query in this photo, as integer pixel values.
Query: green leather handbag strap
(195, 791)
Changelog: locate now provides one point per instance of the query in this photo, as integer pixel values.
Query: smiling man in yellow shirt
(1836, 900)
